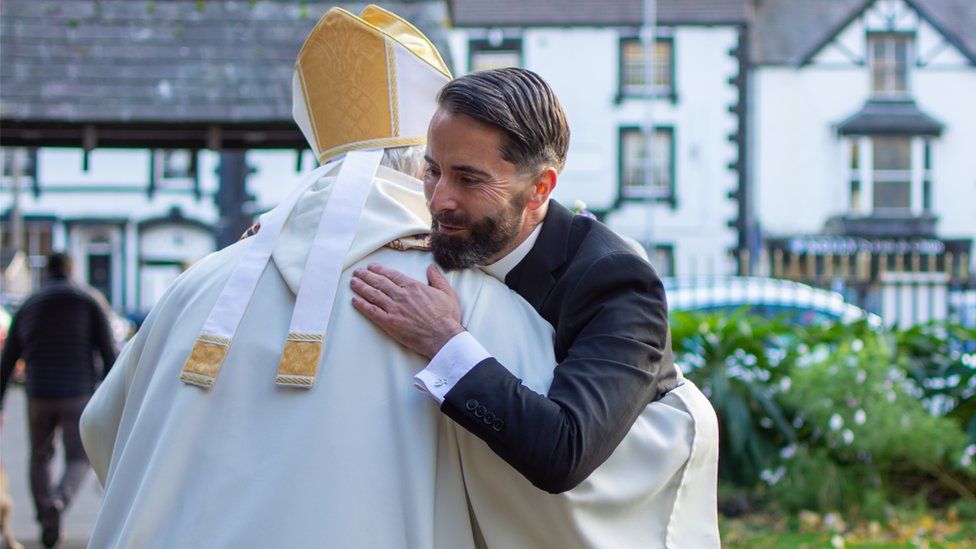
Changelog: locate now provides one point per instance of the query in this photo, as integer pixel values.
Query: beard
(486, 237)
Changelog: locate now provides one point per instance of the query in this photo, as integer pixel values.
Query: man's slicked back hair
(520, 103)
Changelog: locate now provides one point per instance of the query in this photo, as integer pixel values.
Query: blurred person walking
(57, 332)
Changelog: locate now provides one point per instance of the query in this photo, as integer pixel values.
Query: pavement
(77, 521)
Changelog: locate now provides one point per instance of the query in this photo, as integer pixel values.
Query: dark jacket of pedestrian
(57, 331)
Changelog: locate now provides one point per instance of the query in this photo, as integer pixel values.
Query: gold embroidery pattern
(295, 336)
(216, 340)
(420, 242)
(382, 143)
(203, 365)
(198, 380)
(346, 83)
(297, 381)
(300, 359)
(392, 82)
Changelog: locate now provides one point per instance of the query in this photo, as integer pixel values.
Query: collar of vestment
(503, 266)
(533, 277)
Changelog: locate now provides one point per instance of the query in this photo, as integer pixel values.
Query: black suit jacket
(612, 345)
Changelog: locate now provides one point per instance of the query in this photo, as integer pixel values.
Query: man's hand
(420, 317)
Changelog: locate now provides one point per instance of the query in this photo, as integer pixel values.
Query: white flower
(860, 417)
(579, 205)
(861, 376)
(785, 384)
(837, 541)
(848, 436)
(836, 422)
(766, 422)
(788, 451)
(772, 477)
(965, 460)
(857, 345)
(971, 450)
(891, 396)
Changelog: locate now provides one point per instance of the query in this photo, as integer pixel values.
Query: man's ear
(542, 187)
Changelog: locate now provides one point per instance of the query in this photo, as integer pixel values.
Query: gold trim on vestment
(203, 364)
(381, 143)
(300, 360)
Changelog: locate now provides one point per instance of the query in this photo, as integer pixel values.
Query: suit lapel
(533, 277)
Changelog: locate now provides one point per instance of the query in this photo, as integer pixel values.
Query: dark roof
(792, 31)
(533, 13)
(880, 117)
(158, 63)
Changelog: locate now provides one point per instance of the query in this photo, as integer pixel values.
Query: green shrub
(866, 433)
(836, 416)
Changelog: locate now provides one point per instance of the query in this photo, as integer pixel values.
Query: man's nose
(442, 197)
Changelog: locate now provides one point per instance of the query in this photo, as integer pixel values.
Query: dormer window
(890, 54)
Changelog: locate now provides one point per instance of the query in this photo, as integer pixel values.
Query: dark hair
(58, 265)
(521, 104)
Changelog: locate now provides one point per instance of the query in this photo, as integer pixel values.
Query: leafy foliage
(836, 416)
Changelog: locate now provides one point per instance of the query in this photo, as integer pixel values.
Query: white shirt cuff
(456, 358)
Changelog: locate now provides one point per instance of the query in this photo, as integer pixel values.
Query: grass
(908, 529)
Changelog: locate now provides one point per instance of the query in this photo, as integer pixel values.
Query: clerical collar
(501, 268)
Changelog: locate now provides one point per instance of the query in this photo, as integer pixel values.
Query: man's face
(476, 198)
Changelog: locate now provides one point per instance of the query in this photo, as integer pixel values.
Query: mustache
(452, 219)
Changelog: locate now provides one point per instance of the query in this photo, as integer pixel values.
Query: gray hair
(407, 160)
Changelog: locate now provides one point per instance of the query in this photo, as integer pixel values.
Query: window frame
(890, 37)
(668, 249)
(626, 193)
(863, 174)
(160, 182)
(623, 92)
(480, 45)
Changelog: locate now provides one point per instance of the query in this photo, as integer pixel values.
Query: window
(174, 170)
(483, 56)
(632, 156)
(27, 158)
(662, 259)
(178, 163)
(927, 176)
(855, 175)
(891, 174)
(633, 72)
(890, 54)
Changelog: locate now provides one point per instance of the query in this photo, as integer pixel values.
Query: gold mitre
(365, 82)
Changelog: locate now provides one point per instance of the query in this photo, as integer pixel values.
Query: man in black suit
(495, 149)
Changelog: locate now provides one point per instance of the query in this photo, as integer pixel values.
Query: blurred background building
(825, 142)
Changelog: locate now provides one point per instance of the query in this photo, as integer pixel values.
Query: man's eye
(469, 181)
(430, 172)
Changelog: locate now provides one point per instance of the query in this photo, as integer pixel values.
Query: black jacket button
(480, 411)
(498, 424)
(471, 404)
(489, 417)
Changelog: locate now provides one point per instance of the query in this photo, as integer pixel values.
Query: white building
(863, 127)
(690, 213)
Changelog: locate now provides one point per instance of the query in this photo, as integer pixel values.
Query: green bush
(864, 436)
(836, 416)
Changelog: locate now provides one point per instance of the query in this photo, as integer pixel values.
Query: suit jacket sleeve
(614, 322)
